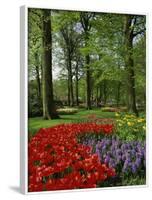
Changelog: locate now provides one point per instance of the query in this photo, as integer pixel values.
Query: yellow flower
(130, 124)
(144, 127)
(116, 114)
(140, 120)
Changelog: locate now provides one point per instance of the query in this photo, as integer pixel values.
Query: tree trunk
(69, 102)
(70, 46)
(97, 99)
(38, 77)
(85, 22)
(76, 85)
(70, 80)
(88, 85)
(105, 92)
(118, 93)
(49, 111)
(129, 63)
(100, 93)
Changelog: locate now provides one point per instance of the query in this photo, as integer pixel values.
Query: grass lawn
(34, 124)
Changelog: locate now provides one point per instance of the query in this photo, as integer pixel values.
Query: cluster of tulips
(56, 161)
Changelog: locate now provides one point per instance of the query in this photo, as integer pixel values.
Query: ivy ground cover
(82, 155)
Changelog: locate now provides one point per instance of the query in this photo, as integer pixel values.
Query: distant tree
(85, 19)
(68, 37)
(67, 33)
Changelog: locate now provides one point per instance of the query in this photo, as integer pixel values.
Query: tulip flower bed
(56, 161)
(84, 155)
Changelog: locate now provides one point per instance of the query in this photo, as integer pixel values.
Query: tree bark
(118, 93)
(69, 102)
(100, 93)
(88, 85)
(85, 22)
(38, 76)
(70, 80)
(97, 98)
(129, 63)
(105, 91)
(49, 111)
(77, 85)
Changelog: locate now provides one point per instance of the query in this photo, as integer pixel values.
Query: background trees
(97, 59)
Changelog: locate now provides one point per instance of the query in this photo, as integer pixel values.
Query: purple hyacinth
(107, 159)
(125, 157)
(133, 168)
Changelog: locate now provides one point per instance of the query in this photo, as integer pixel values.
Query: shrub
(67, 111)
(114, 109)
(110, 109)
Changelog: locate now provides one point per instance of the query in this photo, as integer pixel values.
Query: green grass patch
(34, 124)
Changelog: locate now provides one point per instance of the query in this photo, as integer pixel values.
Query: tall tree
(49, 111)
(132, 24)
(68, 38)
(70, 45)
(85, 19)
